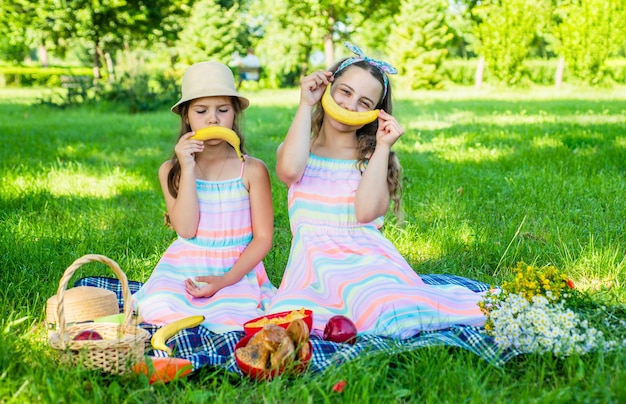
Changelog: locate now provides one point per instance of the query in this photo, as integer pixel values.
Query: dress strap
(243, 164)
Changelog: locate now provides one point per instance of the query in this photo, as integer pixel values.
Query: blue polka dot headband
(384, 67)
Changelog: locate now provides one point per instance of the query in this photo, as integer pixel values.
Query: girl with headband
(342, 177)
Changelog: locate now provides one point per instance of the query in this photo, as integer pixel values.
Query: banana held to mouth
(343, 115)
(220, 132)
(169, 330)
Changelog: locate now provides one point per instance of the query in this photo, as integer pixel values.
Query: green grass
(492, 177)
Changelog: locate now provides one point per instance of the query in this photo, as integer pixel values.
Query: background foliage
(293, 37)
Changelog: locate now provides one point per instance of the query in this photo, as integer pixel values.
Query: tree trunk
(110, 68)
(560, 68)
(329, 49)
(42, 54)
(96, 61)
(480, 71)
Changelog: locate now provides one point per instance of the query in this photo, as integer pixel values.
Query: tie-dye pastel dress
(224, 231)
(339, 266)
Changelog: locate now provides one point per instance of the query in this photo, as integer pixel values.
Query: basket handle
(70, 271)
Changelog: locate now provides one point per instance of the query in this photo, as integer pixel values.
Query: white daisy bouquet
(530, 314)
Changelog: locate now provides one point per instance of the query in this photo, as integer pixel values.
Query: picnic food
(220, 132)
(114, 318)
(274, 347)
(284, 353)
(163, 369)
(260, 347)
(298, 332)
(343, 115)
(279, 318)
(169, 330)
(88, 335)
(340, 329)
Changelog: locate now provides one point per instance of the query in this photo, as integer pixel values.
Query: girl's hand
(212, 285)
(312, 86)
(389, 130)
(186, 149)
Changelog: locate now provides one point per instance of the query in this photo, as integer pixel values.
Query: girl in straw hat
(221, 209)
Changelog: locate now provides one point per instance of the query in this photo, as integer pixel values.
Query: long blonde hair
(366, 136)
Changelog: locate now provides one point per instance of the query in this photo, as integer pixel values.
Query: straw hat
(208, 79)
(83, 303)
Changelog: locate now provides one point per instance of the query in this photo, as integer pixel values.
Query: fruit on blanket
(163, 369)
(343, 115)
(340, 329)
(88, 335)
(220, 132)
(167, 331)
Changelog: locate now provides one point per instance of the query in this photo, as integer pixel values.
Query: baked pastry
(298, 331)
(255, 353)
(272, 336)
(274, 347)
(283, 356)
(303, 352)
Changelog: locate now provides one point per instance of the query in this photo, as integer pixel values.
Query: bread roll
(298, 331)
(254, 354)
(283, 355)
(303, 352)
(272, 336)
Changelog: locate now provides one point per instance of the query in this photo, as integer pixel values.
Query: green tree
(21, 27)
(588, 33)
(505, 30)
(288, 40)
(211, 32)
(296, 29)
(375, 30)
(108, 25)
(460, 22)
(419, 37)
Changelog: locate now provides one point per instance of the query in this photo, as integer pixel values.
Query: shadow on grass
(487, 165)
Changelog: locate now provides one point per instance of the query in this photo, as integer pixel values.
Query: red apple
(340, 329)
(88, 335)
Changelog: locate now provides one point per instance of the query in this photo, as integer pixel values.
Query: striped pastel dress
(339, 266)
(224, 231)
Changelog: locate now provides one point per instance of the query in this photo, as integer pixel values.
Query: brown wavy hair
(366, 136)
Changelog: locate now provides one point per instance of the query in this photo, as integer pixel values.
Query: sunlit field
(491, 177)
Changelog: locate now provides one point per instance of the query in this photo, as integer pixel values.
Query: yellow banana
(220, 132)
(345, 116)
(169, 330)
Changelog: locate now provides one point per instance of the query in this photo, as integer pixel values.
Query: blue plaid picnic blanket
(205, 348)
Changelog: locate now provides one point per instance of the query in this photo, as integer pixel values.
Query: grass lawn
(491, 178)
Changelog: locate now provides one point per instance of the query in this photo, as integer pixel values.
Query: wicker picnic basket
(122, 345)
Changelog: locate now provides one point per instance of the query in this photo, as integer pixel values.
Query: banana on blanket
(220, 132)
(167, 331)
(343, 115)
